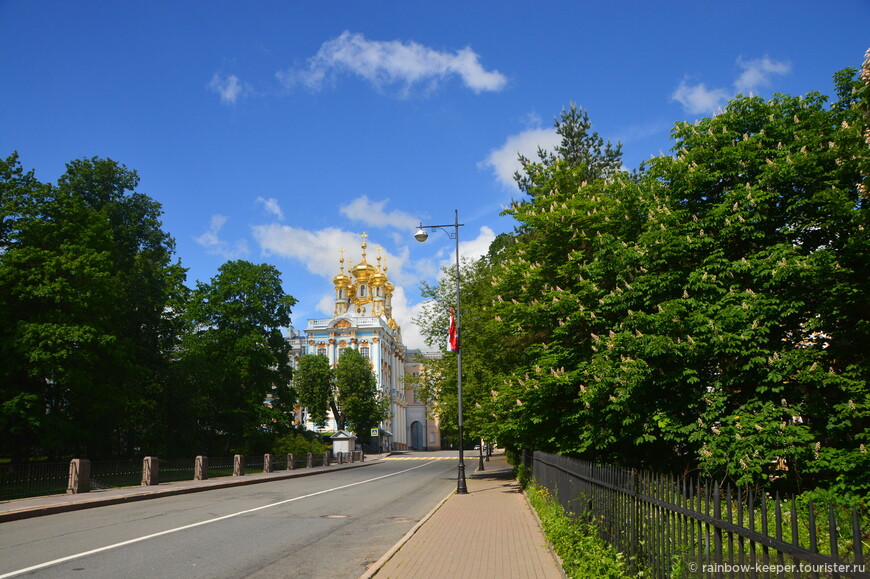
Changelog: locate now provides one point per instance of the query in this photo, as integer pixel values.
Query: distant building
(363, 320)
(423, 430)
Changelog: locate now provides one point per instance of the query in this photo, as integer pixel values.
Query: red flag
(452, 340)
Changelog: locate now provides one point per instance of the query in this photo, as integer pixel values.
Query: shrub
(583, 552)
(300, 442)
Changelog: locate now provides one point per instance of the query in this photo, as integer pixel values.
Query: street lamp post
(422, 236)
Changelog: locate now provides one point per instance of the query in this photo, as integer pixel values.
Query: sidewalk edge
(376, 566)
(550, 547)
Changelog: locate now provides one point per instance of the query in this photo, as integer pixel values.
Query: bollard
(267, 462)
(310, 460)
(291, 462)
(238, 465)
(325, 459)
(79, 476)
(200, 468)
(150, 471)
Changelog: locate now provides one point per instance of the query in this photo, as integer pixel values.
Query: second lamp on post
(421, 236)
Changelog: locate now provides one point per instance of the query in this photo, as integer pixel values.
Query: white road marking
(421, 458)
(199, 524)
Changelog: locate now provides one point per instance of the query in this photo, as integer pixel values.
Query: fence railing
(25, 480)
(22, 480)
(696, 528)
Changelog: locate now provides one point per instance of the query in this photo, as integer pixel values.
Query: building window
(321, 350)
(340, 351)
(366, 352)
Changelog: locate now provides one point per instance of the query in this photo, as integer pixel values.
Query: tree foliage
(357, 399)
(236, 359)
(86, 278)
(349, 391)
(313, 381)
(707, 312)
(103, 350)
(580, 147)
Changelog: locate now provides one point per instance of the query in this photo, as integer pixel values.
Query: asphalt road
(332, 525)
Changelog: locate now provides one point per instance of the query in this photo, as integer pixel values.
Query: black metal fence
(18, 481)
(694, 528)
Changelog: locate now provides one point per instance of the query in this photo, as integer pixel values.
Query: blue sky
(279, 132)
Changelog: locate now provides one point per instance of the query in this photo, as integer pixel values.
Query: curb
(377, 565)
(156, 493)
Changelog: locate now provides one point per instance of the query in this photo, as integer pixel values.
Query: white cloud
(697, 99)
(271, 207)
(214, 245)
(319, 251)
(503, 161)
(757, 73)
(477, 247)
(372, 213)
(404, 314)
(230, 88)
(389, 62)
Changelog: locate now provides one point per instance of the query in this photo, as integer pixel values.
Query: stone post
(239, 465)
(310, 460)
(267, 462)
(150, 471)
(79, 476)
(291, 462)
(325, 459)
(200, 468)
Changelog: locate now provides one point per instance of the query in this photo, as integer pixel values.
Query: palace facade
(363, 319)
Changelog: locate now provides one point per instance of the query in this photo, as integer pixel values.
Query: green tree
(314, 383)
(708, 312)
(86, 276)
(580, 147)
(357, 403)
(479, 348)
(236, 360)
(349, 391)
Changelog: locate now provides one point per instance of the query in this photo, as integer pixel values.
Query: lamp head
(421, 234)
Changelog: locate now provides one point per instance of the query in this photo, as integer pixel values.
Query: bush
(300, 442)
(583, 553)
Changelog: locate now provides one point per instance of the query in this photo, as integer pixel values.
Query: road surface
(332, 525)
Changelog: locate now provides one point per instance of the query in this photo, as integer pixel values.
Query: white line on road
(199, 524)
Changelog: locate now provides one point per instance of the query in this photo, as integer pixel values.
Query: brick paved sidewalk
(489, 532)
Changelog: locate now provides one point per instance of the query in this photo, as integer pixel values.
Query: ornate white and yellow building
(363, 319)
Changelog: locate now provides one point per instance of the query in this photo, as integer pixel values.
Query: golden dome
(363, 270)
(379, 278)
(342, 280)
